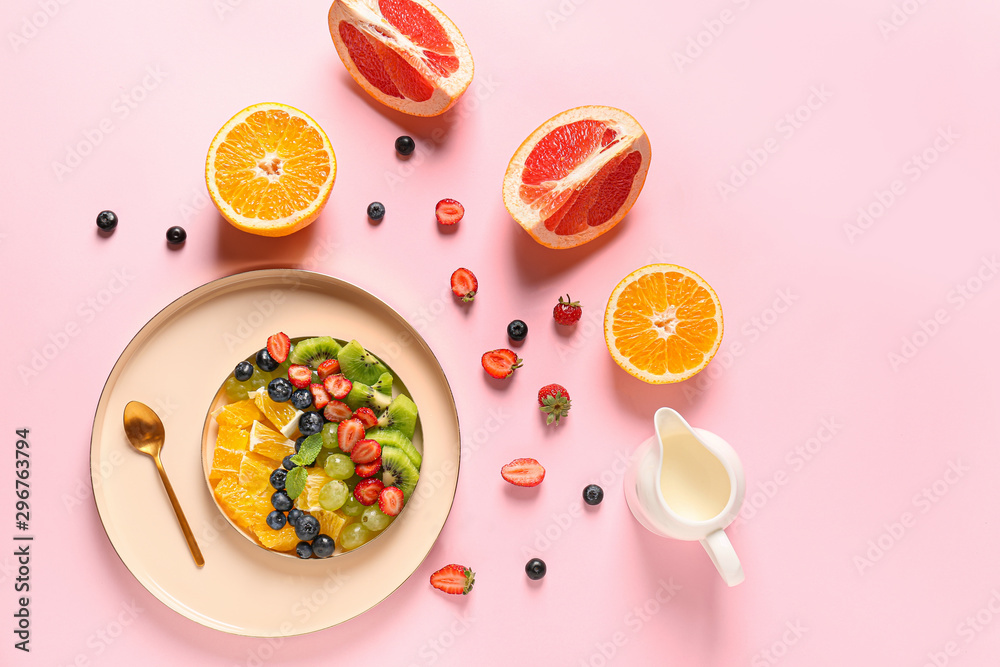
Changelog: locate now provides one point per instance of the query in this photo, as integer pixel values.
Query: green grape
(333, 495)
(339, 466)
(330, 436)
(373, 518)
(352, 507)
(321, 458)
(354, 536)
(258, 379)
(236, 390)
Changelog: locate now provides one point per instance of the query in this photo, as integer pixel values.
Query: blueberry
(276, 520)
(243, 371)
(280, 501)
(302, 399)
(593, 495)
(535, 569)
(107, 220)
(278, 479)
(303, 550)
(298, 443)
(265, 362)
(294, 515)
(307, 527)
(176, 235)
(310, 423)
(376, 211)
(517, 330)
(287, 463)
(405, 145)
(279, 389)
(323, 546)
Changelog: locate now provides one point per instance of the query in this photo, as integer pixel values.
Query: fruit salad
(314, 454)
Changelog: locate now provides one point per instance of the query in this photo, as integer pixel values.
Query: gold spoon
(144, 431)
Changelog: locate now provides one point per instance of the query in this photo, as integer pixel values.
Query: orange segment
(663, 323)
(229, 448)
(240, 414)
(270, 169)
(282, 415)
(577, 175)
(330, 523)
(255, 473)
(268, 443)
(242, 507)
(308, 500)
(405, 53)
(279, 540)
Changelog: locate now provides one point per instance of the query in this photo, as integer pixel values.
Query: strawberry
(336, 411)
(300, 376)
(278, 346)
(454, 579)
(567, 312)
(366, 451)
(320, 396)
(328, 368)
(449, 212)
(501, 363)
(553, 400)
(366, 416)
(390, 500)
(349, 432)
(523, 472)
(464, 284)
(368, 469)
(367, 491)
(338, 385)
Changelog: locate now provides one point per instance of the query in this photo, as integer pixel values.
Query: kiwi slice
(364, 396)
(388, 438)
(359, 365)
(384, 384)
(398, 471)
(401, 415)
(314, 351)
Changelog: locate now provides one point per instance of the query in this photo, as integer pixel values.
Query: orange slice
(270, 170)
(308, 500)
(229, 449)
(255, 473)
(240, 414)
(405, 53)
(279, 540)
(242, 507)
(330, 523)
(282, 415)
(663, 323)
(267, 442)
(576, 176)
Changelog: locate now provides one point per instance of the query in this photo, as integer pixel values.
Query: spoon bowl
(146, 434)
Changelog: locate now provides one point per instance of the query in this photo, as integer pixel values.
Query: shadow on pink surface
(537, 264)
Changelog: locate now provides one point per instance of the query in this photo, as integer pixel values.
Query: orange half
(405, 53)
(270, 170)
(577, 175)
(663, 323)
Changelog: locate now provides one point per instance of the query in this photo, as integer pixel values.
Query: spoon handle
(188, 535)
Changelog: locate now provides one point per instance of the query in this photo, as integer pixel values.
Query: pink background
(839, 439)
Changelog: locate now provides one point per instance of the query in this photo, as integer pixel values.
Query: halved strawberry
(390, 500)
(454, 579)
(338, 385)
(449, 212)
(300, 376)
(366, 451)
(278, 346)
(523, 472)
(320, 396)
(328, 368)
(368, 469)
(501, 363)
(349, 432)
(366, 416)
(464, 284)
(367, 491)
(336, 411)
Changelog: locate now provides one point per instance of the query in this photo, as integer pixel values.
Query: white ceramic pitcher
(687, 483)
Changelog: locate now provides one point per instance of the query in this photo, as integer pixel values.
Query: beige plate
(244, 589)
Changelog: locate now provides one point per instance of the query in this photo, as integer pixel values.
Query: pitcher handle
(721, 551)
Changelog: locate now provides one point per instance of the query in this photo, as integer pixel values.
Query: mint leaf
(309, 450)
(295, 481)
